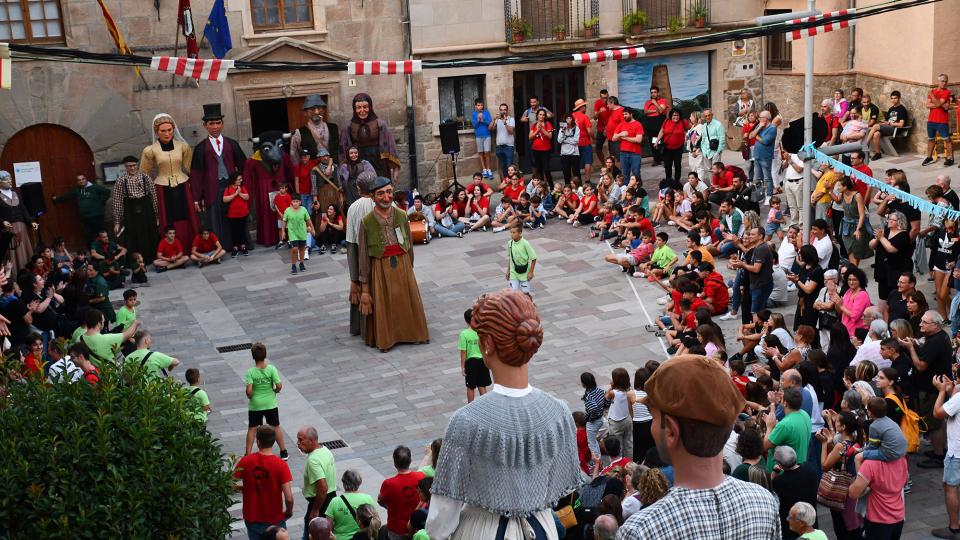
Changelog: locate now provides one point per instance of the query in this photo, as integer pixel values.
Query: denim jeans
(759, 295)
(256, 529)
(457, 227)
(306, 201)
(763, 174)
(726, 248)
(735, 297)
(593, 427)
(630, 165)
(542, 220)
(505, 157)
(952, 314)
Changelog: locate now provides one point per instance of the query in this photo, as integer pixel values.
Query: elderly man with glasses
(931, 356)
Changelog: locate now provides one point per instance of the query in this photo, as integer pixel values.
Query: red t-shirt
(304, 185)
(583, 122)
(263, 478)
(399, 496)
(169, 249)
(715, 289)
(205, 246)
(649, 109)
(513, 192)
(832, 123)
(541, 142)
(723, 180)
(646, 225)
(613, 122)
(674, 133)
(461, 207)
(477, 207)
(92, 376)
(740, 382)
(747, 128)
(583, 450)
(32, 365)
(861, 187)
(622, 462)
(282, 202)
(939, 115)
(602, 117)
(573, 201)
(633, 128)
(484, 188)
(587, 201)
(238, 207)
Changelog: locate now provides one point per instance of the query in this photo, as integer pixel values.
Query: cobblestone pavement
(593, 317)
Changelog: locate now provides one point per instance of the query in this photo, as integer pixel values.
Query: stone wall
(786, 90)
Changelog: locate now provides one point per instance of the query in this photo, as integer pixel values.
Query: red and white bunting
(609, 54)
(827, 26)
(385, 67)
(195, 68)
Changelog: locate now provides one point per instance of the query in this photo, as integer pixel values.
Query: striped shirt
(594, 403)
(640, 411)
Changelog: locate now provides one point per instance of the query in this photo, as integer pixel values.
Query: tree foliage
(123, 459)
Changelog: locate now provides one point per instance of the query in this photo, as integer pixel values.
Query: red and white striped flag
(196, 68)
(827, 26)
(609, 54)
(386, 67)
(6, 66)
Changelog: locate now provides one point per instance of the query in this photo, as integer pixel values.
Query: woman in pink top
(855, 300)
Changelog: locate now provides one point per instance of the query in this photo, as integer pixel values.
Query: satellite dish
(793, 135)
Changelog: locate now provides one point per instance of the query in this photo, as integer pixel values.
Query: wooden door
(63, 154)
(295, 116)
(557, 89)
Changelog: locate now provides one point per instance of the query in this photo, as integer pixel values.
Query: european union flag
(217, 30)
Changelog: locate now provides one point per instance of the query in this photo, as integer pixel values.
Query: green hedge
(123, 459)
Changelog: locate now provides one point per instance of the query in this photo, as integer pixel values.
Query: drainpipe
(852, 48)
(411, 117)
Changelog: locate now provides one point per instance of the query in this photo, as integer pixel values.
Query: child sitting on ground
(567, 203)
(610, 214)
(139, 269)
(661, 261)
(538, 212)
(524, 209)
(504, 216)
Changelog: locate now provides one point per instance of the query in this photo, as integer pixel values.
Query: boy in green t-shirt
(128, 311)
(198, 395)
(474, 371)
(520, 256)
(263, 385)
(661, 261)
(298, 223)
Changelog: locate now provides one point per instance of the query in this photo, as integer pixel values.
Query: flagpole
(176, 49)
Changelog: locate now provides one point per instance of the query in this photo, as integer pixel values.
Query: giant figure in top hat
(214, 160)
(317, 133)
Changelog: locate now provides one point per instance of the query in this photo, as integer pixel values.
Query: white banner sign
(28, 171)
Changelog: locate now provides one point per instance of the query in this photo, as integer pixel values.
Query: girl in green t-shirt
(263, 385)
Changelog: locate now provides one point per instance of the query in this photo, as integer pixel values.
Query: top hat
(211, 111)
(314, 100)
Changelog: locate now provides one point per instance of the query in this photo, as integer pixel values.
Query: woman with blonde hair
(692, 139)
(167, 160)
(369, 521)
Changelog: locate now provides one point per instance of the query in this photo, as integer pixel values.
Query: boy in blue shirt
(481, 120)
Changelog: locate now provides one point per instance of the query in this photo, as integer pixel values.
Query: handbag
(566, 515)
(832, 491)
(826, 320)
(714, 143)
(518, 268)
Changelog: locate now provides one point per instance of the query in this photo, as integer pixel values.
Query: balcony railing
(666, 15)
(551, 20)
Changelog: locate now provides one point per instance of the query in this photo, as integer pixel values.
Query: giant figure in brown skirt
(389, 295)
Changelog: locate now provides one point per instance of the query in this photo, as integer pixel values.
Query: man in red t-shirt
(938, 123)
(856, 161)
(654, 112)
(206, 248)
(264, 478)
(612, 126)
(169, 252)
(399, 493)
(833, 123)
(601, 113)
(629, 134)
(721, 183)
(586, 137)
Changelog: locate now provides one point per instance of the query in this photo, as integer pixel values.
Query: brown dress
(21, 245)
(398, 315)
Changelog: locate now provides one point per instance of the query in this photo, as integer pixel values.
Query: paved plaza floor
(593, 317)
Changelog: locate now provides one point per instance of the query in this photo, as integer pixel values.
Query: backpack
(910, 424)
(736, 172)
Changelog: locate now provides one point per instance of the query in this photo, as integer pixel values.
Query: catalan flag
(6, 66)
(115, 32)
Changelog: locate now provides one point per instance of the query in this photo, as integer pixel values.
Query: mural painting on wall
(683, 79)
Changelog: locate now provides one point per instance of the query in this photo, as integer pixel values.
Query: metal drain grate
(234, 348)
(333, 445)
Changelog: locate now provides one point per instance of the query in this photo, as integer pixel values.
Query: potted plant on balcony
(560, 32)
(698, 14)
(634, 21)
(589, 27)
(521, 28)
(675, 25)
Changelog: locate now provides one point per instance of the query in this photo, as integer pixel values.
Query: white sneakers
(727, 316)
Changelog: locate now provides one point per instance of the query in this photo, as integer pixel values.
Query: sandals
(651, 327)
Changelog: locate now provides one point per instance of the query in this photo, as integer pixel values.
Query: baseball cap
(694, 387)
